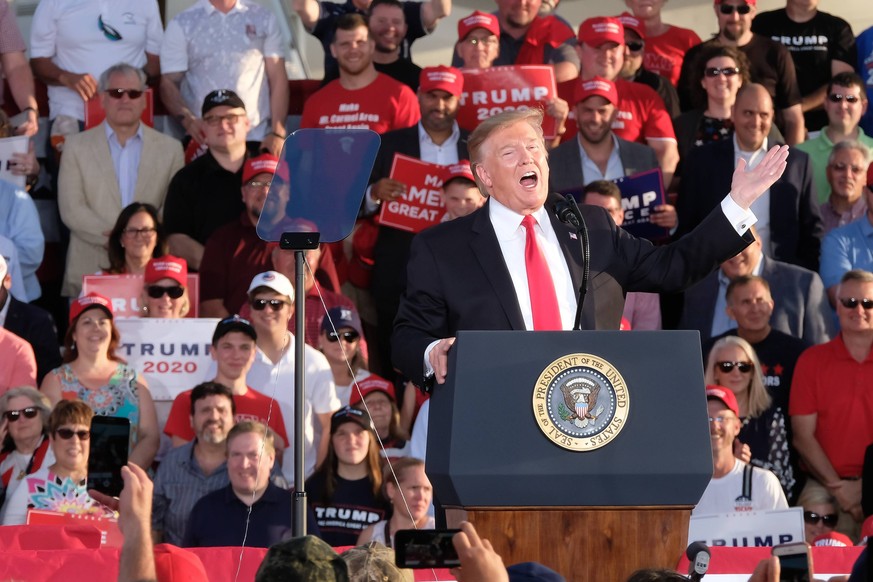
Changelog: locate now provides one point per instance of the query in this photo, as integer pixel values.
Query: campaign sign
(110, 535)
(12, 145)
(125, 292)
(95, 114)
(172, 354)
(640, 194)
(488, 92)
(748, 529)
(421, 205)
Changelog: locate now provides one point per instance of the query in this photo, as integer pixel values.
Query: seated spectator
(136, 238)
(196, 468)
(93, 373)
(340, 342)
(819, 513)
(233, 349)
(844, 105)
(250, 510)
(165, 288)
(733, 364)
(375, 395)
(31, 323)
(108, 167)
(478, 40)
(846, 176)
(634, 69)
(303, 558)
(666, 44)
(460, 193)
(346, 490)
(735, 485)
(61, 485)
(409, 490)
(25, 447)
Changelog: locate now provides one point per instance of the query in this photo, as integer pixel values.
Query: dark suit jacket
(565, 163)
(801, 305)
(458, 280)
(796, 229)
(37, 327)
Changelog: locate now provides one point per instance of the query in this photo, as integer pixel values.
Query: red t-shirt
(383, 105)
(664, 53)
(249, 406)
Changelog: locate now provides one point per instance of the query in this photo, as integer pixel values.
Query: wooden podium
(596, 514)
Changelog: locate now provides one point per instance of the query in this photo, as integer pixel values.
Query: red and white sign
(125, 292)
(422, 204)
(110, 535)
(94, 113)
(488, 92)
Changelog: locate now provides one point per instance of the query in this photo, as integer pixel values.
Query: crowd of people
(786, 324)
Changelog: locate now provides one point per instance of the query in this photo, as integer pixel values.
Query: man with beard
(189, 472)
(362, 97)
(388, 28)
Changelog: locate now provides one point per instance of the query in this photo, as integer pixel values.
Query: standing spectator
(19, 223)
(72, 43)
(107, 168)
(388, 27)
(666, 44)
(14, 66)
(865, 68)
(234, 44)
(478, 40)
(821, 45)
(634, 70)
(847, 176)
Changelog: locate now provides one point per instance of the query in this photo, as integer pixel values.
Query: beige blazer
(89, 198)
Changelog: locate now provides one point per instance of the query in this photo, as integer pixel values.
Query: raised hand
(749, 184)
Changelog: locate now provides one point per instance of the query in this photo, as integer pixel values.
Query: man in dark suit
(436, 139)
(514, 265)
(789, 222)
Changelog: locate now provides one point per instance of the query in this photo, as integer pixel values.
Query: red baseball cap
(601, 29)
(476, 20)
(167, 267)
(370, 384)
(442, 78)
(89, 301)
(460, 170)
(725, 395)
(263, 164)
(631, 22)
(596, 86)
(833, 539)
(867, 529)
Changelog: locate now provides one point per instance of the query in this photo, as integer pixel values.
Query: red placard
(94, 113)
(488, 92)
(110, 534)
(125, 290)
(422, 204)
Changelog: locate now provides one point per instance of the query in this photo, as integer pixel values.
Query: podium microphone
(698, 560)
(568, 212)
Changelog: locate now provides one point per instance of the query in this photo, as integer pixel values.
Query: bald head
(752, 115)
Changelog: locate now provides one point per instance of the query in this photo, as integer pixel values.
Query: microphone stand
(568, 212)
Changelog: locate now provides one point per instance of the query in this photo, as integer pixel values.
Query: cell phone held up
(110, 442)
(425, 548)
(795, 561)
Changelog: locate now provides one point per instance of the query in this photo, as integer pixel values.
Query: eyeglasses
(119, 93)
(635, 46)
(157, 291)
(728, 9)
(812, 518)
(139, 232)
(852, 303)
(721, 419)
(108, 31)
(275, 304)
(13, 415)
(67, 434)
(841, 167)
(254, 184)
(726, 367)
(348, 336)
(837, 97)
(216, 120)
(726, 71)
(487, 41)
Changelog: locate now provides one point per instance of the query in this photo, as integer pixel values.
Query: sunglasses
(635, 46)
(726, 367)
(812, 518)
(728, 9)
(348, 336)
(726, 71)
(837, 97)
(108, 31)
(13, 415)
(275, 304)
(156, 291)
(119, 93)
(67, 434)
(852, 303)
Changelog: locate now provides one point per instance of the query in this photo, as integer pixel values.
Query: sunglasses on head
(812, 518)
(260, 304)
(119, 93)
(635, 46)
(726, 367)
(727, 9)
(67, 434)
(348, 336)
(852, 303)
(13, 415)
(156, 291)
(837, 97)
(726, 71)
(109, 31)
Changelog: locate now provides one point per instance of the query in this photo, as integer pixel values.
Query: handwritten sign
(95, 114)
(125, 292)
(422, 204)
(8, 146)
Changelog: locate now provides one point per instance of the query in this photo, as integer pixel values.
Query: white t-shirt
(724, 495)
(70, 35)
(224, 51)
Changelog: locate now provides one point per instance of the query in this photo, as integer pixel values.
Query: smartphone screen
(110, 441)
(425, 548)
(795, 568)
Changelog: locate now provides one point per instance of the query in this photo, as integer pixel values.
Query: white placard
(748, 529)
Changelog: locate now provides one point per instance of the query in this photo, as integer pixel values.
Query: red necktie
(543, 300)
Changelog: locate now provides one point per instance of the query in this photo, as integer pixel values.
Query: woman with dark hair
(350, 478)
(93, 373)
(24, 436)
(136, 238)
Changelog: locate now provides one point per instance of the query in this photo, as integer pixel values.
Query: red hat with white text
(725, 395)
(167, 267)
(262, 164)
(89, 301)
(461, 170)
(476, 20)
(441, 78)
(600, 30)
(596, 86)
(631, 22)
(370, 384)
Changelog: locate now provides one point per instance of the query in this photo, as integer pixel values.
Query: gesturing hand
(748, 184)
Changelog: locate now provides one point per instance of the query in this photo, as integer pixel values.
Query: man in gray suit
(109, 166)
(597, 153)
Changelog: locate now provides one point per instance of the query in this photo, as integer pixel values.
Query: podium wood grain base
(586, 544)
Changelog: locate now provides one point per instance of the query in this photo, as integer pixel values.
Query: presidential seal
(580, 402)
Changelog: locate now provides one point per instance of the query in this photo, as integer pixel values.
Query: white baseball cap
(275, 281)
